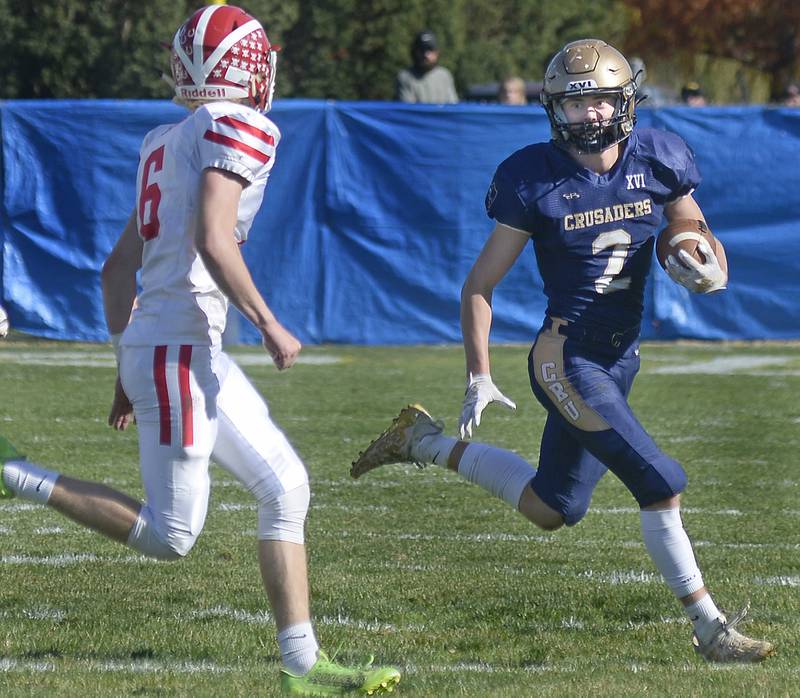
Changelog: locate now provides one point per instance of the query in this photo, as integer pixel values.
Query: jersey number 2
(619, 241)
(150, 194)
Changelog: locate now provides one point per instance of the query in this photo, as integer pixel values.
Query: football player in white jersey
(199, 185)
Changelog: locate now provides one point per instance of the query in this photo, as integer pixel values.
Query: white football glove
(3, 323)
(697, 277)
(481, 391)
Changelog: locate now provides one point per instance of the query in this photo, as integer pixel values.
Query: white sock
(299, 648)
(499, 472)
(670, 550)
(29, 481)
(704, 614)
(435, 449)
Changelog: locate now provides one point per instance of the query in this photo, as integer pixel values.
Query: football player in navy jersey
(591, 200)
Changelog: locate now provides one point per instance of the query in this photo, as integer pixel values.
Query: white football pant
(193, 403)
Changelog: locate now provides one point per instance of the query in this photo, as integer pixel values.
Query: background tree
(740, 50)
(520, 38)
(350, 49)
(98, 48)
(84, 48)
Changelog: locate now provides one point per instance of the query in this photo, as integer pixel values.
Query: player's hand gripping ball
(692, 256)
(684, 234)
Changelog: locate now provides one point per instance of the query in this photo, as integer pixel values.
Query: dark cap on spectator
(425, 41)
(691, 89)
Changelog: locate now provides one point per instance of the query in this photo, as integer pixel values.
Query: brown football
(685, 234)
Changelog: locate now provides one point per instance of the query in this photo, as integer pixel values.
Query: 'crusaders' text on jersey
(593, 234)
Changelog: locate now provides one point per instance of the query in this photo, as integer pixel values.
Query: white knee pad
(284, 517)
(145, 538)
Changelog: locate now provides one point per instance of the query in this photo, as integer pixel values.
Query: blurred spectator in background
(791, 95)
(692, 95)
(512, 91)
(425, 82)
(649, 95)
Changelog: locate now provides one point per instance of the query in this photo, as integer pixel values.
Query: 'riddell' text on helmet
(590, 67)
(221, 52)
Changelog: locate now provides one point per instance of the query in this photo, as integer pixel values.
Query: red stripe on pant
(187, 416)
(162, 393)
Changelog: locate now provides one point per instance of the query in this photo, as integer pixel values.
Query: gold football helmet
(590, 67)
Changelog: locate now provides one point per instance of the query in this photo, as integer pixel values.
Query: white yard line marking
(7, 664)
(58, 358)
(524, 538)
(76, 559)
(379, 508)
(20, 506)
(91, 358)
(370, 625)
(50, 560)
(724, 365)
(621, 577)
(778, 581)
(257, 618)
(684, 510)
(236, 507)
(264, 618)
(309, 359)
(37, 613)
(151, 666)
(139, 666)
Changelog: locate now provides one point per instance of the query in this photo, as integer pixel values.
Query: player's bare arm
(119, 277)
(498, 255)
(119, 292)
(219, 204)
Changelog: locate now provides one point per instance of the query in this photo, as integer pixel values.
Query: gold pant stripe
(548, 364)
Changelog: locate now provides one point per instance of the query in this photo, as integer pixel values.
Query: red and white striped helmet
(221, 52)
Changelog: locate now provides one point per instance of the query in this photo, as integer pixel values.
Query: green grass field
(418, 567)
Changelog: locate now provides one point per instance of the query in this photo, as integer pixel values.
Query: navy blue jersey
(593, 234)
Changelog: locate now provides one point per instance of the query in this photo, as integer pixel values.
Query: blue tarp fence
(374, 214)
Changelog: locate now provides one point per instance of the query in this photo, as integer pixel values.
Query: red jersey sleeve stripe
(184, 384)
(160, 378)
(263, 158)
(244, 127)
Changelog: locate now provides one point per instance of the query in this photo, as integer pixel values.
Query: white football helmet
(221, 52)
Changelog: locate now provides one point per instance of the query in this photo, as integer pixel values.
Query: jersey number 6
(619, 241)
(150, 194)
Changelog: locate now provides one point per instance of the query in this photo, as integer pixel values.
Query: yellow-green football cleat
(395, 445)
(729, 645)
(7, 453)
(327, 678)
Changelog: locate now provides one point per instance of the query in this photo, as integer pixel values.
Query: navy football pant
(590, 427)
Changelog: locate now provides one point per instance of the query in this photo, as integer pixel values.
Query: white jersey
(179, 302)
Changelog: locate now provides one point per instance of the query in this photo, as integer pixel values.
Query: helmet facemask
(594, 136)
